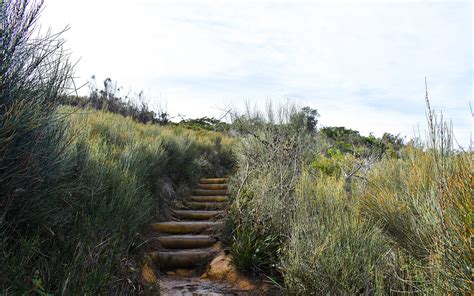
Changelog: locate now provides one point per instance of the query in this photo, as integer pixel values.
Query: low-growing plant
(253, 251)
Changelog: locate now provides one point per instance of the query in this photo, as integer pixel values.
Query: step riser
(213, 181)
(211, 198)
(207, 205)
(176, 228)
(213, 186)
(179, 260)
(204, 192)
(188, 215)
(186, 243)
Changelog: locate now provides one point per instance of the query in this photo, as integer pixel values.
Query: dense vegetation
(331, 212)
(78, 187)
(109, 99)
(317, 210)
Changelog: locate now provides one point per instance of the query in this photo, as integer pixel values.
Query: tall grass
(424, 205)
(331, 249)
(78, 190)
(405, 227)
(34, 71)
(118, 175)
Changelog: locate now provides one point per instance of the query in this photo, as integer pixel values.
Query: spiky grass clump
(423, 204)
(331, 249)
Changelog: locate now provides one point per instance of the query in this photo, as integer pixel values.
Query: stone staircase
(190, 240)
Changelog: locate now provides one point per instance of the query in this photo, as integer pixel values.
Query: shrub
(109, 99)
(402, 225)
(422, 203)
(252, 251)
(116, 176)
(269, 155)
(331, 249)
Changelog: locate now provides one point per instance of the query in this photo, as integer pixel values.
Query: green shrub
(422, 203)
(331, 249)
(269, 155)
(116, 176)
(252, 251)
(402, 224)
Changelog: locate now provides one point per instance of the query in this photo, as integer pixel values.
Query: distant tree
(207, 123)
(109, 99)
(306, 118)
(350, 141)
(311, 116)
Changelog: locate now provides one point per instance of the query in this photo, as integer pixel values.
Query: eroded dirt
(172, 285)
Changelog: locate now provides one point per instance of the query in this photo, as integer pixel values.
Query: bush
(423, 204)
(253, 251)
(118, 176)
(269, 155)
(109, 99)
(400, 225)
(331, 249)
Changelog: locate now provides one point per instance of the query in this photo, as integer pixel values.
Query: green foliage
(306, 118)
(405, 227)
(331, 250)
(109, 99)
(86, 237)
(311, 116)
(350, 141)
(207, 123)
(343, 139)
(329, 165)
(423, 205)
(252, 251)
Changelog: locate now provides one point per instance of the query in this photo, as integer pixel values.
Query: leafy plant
(254, 252)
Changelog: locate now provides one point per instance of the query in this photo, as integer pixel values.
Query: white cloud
(361, 64)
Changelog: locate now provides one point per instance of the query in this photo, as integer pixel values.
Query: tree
(311, 116)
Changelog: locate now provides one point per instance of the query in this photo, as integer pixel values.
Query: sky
(361, 64)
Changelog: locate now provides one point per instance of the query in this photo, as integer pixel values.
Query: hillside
(93, 188)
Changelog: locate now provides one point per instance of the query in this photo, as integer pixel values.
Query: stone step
(186, 241)
(210, 198)
(180, 227)
(213, 186)
(196, 215)
(181, 258)
(199, 205)
(210, 192)
(213, 180)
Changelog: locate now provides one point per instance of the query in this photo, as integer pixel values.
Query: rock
(221, 269)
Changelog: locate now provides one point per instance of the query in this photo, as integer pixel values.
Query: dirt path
(178, 285)
(185, 247)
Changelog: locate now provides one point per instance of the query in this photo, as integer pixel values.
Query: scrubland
(314, 210)
(323, 213)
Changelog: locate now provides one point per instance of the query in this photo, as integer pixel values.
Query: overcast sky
(362, 65)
